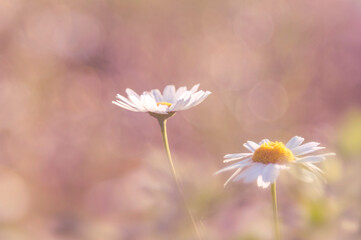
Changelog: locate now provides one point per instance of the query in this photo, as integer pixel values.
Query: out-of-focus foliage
(75, 166)
(350, 133)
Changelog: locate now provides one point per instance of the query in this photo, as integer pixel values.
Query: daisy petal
(309, 150)
(180, 91)
(134, 97)
(125, 106)
(263, 141)
(294, 142)
(251, 173)
(315, 170)
(194, 88)
(157, 95)
(231, 177)
(128, 102)
(270, 173)
(304, 148)
(261, 183)
(233, 166)
(235, 156)
(252, 146)
(148, 102)
(181, 102)
(130, 92)
(314, 158)
(195, 99)
(234, 159)
(168, 93)
(305, 175)
(311, 159)
(199, 99)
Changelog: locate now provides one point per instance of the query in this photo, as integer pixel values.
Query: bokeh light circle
(268, 100)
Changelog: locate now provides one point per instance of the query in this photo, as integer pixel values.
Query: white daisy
(154, 102)
(266, 159)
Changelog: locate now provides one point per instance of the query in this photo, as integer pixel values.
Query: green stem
(163, 127)
(275, 211)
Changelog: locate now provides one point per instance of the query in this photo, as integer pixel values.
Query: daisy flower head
(162, 105)
(266, 159)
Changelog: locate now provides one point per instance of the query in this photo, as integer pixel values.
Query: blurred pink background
(75, 166)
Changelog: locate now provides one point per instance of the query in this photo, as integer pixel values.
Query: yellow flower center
(164, 103)
(273, 152)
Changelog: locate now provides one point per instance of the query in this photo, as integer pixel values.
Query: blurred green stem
(275, 211)
(163, 127)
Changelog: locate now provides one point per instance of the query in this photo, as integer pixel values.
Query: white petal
(263, 141)
(169, 93)
(282, 166)
(233, 166)
(125, 106)
(242, 160)
(270, 173)
(252, 176)
(304, 148)
(304, 173)
(197, 98)
(231, 177)
(307, 176)
(251, 172)
(314, 168)
(235, 156)
(157, 95)
(261, 182)
(148, 102)
(133, 96)
(205, 95)
(128, 102)
(200, 99)
(307, 150)
(314, 158)
(252, 146)
(179, 92)
(294, 142)
(194, 88)
(311, 159)
(181, 102)
(131, 92)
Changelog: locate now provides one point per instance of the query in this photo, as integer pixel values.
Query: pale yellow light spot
(164, 103)
(273, 152)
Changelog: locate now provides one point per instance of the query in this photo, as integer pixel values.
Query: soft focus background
(75, 166)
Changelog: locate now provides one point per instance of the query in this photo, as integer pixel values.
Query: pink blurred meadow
(75, 166)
